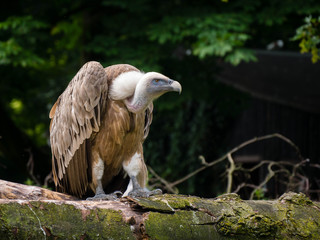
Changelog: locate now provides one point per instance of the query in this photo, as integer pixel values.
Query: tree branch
(169, 186)
(39, 215)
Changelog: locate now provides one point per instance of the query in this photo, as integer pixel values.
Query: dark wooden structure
(285, 98)
(285, 90)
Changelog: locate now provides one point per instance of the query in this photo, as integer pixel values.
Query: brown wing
(74, 117)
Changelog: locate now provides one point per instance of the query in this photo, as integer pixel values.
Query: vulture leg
(138, 191)
(136, 168)
(98, 171)
(103, 196)
(100, 194)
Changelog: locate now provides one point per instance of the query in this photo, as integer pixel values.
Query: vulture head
(138, 89)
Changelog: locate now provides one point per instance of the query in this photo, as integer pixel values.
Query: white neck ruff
(124, 85)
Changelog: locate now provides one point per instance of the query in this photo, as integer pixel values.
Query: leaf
(309, 37)
(18, 49)
(239, 55)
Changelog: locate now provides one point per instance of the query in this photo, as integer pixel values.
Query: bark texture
(52, 215)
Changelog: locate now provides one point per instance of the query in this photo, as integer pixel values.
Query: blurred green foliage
(44, 43)
(309, 37)
(17, 49)
(209, 34)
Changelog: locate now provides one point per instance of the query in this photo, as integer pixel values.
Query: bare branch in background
(167, 185)
(288, 170)
(30, 167)
(230, 171)
(48, 178)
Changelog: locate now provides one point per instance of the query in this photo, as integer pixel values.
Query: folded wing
(74, 118)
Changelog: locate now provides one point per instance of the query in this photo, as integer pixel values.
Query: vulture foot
(140, 192)
(102, 196)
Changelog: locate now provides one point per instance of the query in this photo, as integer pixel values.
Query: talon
(144, 193)
(118, 193)
(102, 196)
(156, 192)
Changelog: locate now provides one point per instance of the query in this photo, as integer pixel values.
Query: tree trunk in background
(55, 216)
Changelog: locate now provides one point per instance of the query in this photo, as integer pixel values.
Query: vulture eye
(158, 81)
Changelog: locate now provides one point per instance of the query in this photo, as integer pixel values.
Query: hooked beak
(175, 86)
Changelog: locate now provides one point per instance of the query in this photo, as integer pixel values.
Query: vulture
(97, 129)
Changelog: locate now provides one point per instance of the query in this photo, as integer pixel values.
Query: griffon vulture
(98, 126)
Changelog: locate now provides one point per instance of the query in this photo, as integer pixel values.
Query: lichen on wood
(292, 216)
(52, 219)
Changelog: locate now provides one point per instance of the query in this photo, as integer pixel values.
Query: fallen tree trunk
(28, 212)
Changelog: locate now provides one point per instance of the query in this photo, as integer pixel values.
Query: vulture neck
(131, 87)
(140, 100)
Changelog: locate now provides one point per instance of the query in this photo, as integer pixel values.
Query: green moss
(182, 201)
(238, 218)
(181, 225)
(167, 202)
(295, 198)
(293, 216)
(61, 221)
(300, 217)
(251, 227)
(234, 217)
(153, 204)
(228, 197)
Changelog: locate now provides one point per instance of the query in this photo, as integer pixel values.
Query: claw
(102, 196)
(156, 192)
(140, 192)
(118, 193)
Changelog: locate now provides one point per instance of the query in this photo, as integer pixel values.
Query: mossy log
(51, 215)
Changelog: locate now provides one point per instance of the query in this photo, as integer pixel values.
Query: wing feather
(74, 117)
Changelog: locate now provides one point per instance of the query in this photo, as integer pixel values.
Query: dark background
(231, 90)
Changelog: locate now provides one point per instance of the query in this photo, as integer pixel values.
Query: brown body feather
(87, 125)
